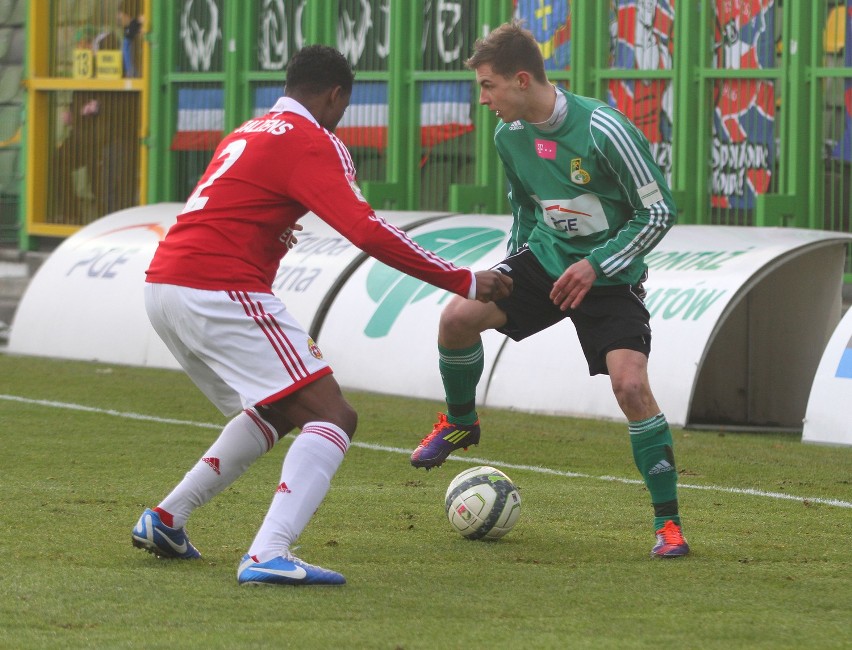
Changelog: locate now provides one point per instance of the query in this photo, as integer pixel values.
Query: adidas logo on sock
(213, 462)
(659, 468)
(283, 489)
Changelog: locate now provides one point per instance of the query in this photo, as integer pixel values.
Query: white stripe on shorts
(240, 348)
(272, 330)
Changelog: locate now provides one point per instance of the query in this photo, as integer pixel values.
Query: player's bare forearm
(492, 285)
(573, 285)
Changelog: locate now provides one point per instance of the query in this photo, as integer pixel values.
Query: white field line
(470, 460)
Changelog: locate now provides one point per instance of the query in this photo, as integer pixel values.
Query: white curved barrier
(740, 316)
(381, 330)
(828, 418)
(86, 300)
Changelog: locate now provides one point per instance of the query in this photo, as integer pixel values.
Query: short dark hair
(508, 49)
(317, 68)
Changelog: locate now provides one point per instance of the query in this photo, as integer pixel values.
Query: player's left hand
(573, 285)
(492, 285)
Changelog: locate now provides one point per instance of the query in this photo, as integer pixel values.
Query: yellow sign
(109, 64)
(84, 64)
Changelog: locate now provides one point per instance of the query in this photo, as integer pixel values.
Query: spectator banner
(86, 301)
(449, 30)
(363, 33)
(444, 112)
(550, 23)
(200, 119)
(279, 33)
(643, 33)
(843, 149)
(744, 118)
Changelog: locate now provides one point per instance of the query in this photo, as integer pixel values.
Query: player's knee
(344, 416)
(350, 420)
(634, 396)
(628, 389)
(458, 320)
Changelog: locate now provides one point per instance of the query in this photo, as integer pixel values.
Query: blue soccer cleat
(152, 535)
(285, 570)
(670, 542)
(445, 438)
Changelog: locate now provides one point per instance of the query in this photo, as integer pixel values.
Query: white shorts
(240, 348)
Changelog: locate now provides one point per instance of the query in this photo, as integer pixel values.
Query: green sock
(651, 440)
(460, 372)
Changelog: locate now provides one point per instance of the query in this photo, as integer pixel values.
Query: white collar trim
(290, 105)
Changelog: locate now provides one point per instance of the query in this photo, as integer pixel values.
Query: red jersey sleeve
(324, 182)
(263, 177)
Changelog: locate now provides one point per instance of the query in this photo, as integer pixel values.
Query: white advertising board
(312, 271)
(381, 331)
(86, 301)
(700, 277)
(828, 418)
(740, 316)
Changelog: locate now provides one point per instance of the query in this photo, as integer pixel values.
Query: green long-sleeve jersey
(587, 189)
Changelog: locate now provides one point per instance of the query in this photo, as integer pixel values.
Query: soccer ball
(482, 503)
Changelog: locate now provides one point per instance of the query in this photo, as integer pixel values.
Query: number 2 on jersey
(231, 154)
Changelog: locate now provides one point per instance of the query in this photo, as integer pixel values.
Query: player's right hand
(492, 285)
(289, 235)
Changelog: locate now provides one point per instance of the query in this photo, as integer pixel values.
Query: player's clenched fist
(492, 285)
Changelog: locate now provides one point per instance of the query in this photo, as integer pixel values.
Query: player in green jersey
(589, 202)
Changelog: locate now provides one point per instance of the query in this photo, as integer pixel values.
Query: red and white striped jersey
(233, 231)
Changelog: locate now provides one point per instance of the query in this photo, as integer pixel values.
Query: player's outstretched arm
(492, 285)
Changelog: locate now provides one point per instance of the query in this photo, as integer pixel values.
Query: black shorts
(609, 318)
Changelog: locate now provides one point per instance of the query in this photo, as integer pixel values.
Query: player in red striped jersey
(209, 297)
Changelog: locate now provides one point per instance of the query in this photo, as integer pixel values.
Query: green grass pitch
(86, 446)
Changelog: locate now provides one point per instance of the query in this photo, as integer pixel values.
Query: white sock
(243, 440)
(309, 465)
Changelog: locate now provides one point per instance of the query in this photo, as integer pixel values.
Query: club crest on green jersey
(578, 174)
